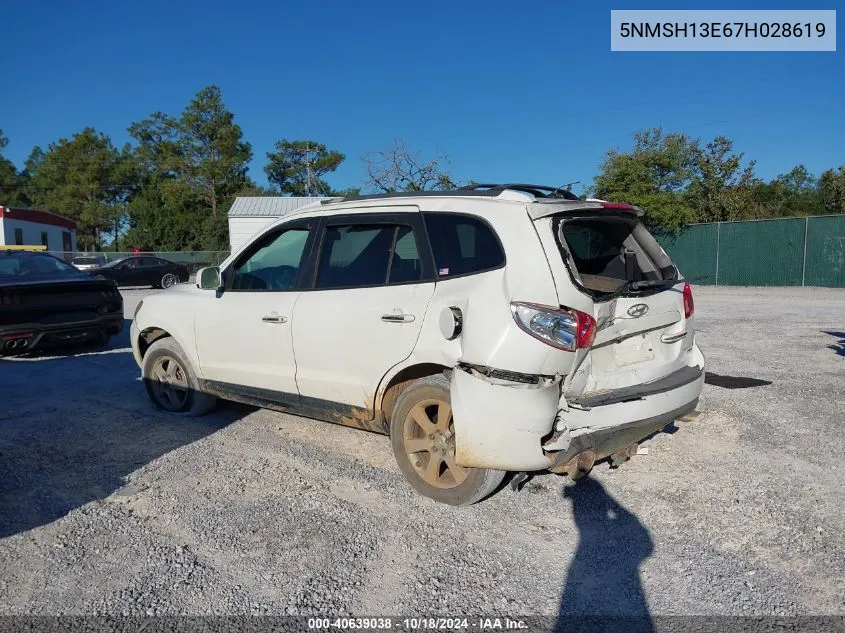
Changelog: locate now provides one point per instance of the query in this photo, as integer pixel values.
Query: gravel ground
(109, 507)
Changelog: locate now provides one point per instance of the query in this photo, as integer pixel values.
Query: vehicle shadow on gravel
(74, 427)
(603, 591)
(734, 382)
(839, 346)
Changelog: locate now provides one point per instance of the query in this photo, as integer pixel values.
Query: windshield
(25, 266)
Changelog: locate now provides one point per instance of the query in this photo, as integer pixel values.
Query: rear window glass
(462, 244)
(606, 253)
(33, 266)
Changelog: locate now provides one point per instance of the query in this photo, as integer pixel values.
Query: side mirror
(209, 278)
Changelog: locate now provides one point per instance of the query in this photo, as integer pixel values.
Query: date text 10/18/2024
(418, 624)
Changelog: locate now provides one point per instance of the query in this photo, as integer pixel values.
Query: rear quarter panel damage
(501, 426)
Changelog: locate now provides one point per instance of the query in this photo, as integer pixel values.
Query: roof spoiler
(545, 208)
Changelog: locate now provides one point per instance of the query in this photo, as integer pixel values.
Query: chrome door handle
(273, 318)
(397, 318)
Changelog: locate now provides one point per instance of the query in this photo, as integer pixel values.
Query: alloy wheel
(168, 280)
(169, 384)
(429, 440)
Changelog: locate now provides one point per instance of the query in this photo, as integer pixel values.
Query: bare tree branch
(398, 168)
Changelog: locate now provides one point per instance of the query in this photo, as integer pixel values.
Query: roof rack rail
(487, 190)
(414, 194)
(538, 191)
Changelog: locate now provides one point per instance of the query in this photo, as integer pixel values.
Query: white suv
(490, 329)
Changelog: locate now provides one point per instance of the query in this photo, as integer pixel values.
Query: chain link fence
(194, 260)
(807, 251)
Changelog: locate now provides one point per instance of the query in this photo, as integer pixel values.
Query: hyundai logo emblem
(637, 310)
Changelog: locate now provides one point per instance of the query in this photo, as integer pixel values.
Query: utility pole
(313, 186)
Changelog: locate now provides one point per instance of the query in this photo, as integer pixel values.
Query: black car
(44, 302)
(143, 271)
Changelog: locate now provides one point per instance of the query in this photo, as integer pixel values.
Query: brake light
(559, 327)
(689, 304)
(620, 206)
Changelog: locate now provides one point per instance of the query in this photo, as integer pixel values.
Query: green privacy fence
(785, 252)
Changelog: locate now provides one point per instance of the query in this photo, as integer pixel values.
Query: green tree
(190, 170)
(12, 183)
(297, 167)
(832, 190)
(794, 193)
(215, 156)
(653, 175)
(722, 188)
(85, 178)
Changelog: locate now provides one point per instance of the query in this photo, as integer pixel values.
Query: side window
(19, 237)
(44, 240)
(359, 255)
(272, 263)
(462, 244)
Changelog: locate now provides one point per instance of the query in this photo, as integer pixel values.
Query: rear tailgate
(643, 333)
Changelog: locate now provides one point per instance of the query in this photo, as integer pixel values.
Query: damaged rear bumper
(524, 427)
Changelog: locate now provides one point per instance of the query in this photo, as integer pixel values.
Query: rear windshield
(29, 266)
(609, 251)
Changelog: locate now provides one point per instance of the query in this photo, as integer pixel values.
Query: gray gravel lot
(107, 506)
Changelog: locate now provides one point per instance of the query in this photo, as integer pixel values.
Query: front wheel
(170, 380)
(422, 432)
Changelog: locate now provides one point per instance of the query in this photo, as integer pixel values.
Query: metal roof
(269, 207)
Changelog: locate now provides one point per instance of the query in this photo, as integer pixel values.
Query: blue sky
(511, 91)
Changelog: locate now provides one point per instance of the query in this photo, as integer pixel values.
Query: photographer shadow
(603, 591)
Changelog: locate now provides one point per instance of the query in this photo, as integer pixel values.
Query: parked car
(88, 262)
(144, 271)
(491, 329)
(45, 301)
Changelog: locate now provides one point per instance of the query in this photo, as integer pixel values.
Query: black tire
(168, 280)
(469, 485)
(165, 356)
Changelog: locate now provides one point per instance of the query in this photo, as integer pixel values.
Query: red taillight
(559, 327)
(16, 335)
(586, 333)
(689, 304)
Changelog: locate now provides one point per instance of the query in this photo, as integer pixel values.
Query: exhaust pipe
(17, 343)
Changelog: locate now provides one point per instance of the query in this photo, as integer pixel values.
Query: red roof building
(33, 227)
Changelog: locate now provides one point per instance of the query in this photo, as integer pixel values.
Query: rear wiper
(641, 285)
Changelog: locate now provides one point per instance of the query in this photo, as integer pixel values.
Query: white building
(249, 215)
(32, 227)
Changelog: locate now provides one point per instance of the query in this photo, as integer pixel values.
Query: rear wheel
(422, 433)
(170, 380)
(168, 280)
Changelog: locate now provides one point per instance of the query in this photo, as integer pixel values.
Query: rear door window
(360, 255)
(462, 244)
